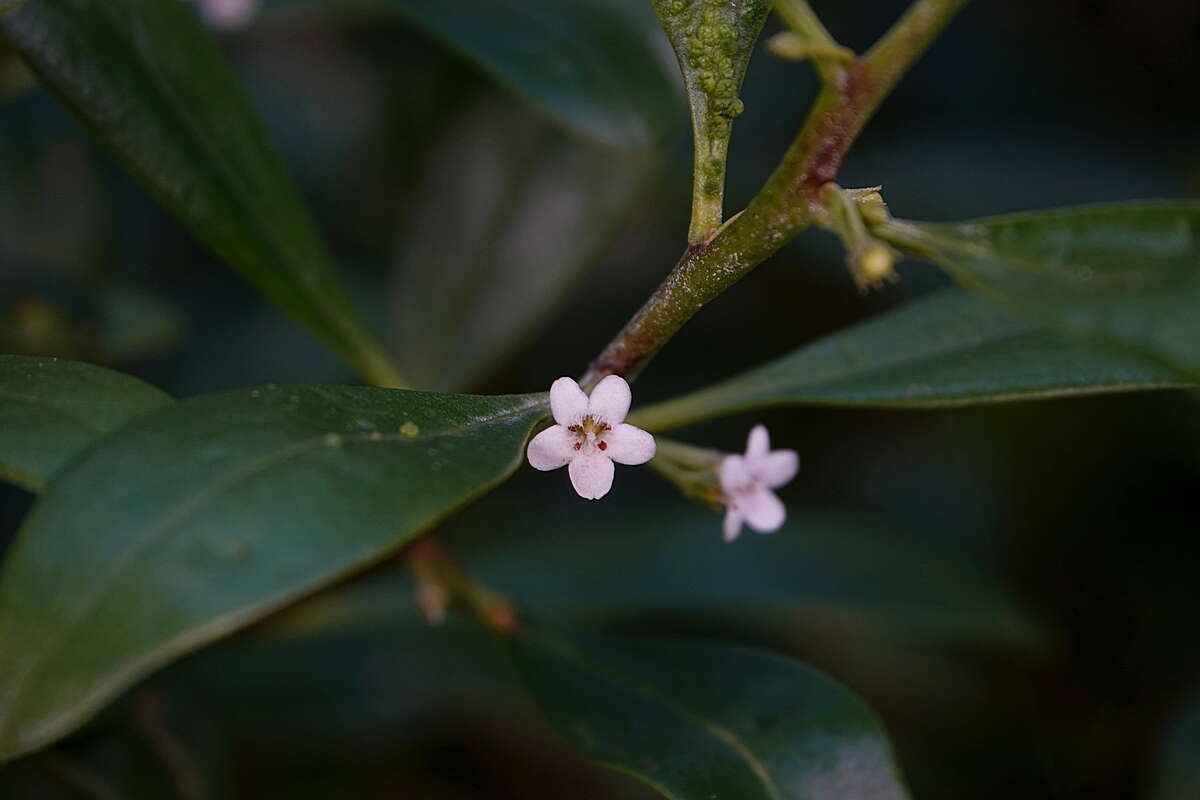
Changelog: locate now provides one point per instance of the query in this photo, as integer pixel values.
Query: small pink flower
(747, 482)
(590, 435)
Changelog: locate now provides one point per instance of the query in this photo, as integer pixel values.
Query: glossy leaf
(591, 64)
(702, 720)
(51, 409)
(947, 349)
(713, 41)
(148, 80)
(1126, 274)
(205, 516)
(513, 212)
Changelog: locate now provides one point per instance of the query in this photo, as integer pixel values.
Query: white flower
(228, 14)
(747, 482)
(590, 435)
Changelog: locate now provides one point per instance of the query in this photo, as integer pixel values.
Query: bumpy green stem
(788, 202)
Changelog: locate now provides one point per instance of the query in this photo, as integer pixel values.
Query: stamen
(603, 445)
(578, 445)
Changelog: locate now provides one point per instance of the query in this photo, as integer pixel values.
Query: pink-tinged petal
(629, 445)
(568, 403)
(777, 468)
(591, 475)
(764, 511)
(734, 474)
(758, 443)
(732, 525)
(610, 400)
(551, 448)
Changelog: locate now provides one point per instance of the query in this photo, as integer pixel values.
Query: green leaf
(832, 564)
(591, 64)
(203, 517)
(713, 40)
(1176, 774)
(513, 211)
(51, 409)
(698, 720)
(947, 349)
(148, 80)
(1126, 274)
(836, 566)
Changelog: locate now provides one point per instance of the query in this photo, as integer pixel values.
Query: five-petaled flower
(747, 481)
(590, 434)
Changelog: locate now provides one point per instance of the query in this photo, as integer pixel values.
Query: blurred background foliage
(1012, 589)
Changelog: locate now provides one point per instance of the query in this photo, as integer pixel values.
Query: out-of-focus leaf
(1127, 274)
(152, 747)
(713, 41)
(512, 213)
(203, 517)
(148, 80)
(948, 349)
(822, 565)
(1177, 771)
(591, 64)
(702, 720)
(51, 409)
(134, 324)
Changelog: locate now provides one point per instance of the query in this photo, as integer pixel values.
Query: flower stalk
(790, 200)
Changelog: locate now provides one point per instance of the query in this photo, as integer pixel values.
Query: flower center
(590, 434)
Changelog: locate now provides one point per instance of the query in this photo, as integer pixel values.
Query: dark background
(1085, 509)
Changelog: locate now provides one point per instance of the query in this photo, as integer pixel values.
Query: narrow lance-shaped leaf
(201, 518)
(1127, 274)
(148, 80)
(713, 40)
(513, 213)
(591, 64)
(948, 349)
(703, 720)
(51, 409)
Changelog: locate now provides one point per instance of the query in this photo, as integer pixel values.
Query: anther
(603, 445)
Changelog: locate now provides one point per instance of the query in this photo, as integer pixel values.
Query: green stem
(788, 201)
(826, 52)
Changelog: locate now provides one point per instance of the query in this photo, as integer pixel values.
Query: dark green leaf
(201, 518)
(512, 213)
(698, 720)
(590, 63)
(152, 747)
(149, 81)
(1177, 771)
(948, 349)
(1126, 274)
(713, 40)
(823, 565)
(51, 409)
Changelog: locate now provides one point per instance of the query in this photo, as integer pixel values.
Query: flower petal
(764, 511)
(732, 525)
(734, 474)
(758, 443)
(568, 403)
(551, 448)
(777, 468)
(610, 400)
(629, 445)
(591, 475)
